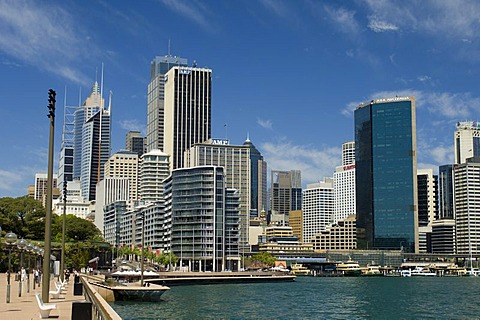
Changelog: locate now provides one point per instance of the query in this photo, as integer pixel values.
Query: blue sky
(289, 73)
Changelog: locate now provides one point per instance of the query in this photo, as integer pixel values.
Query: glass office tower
(386, 182)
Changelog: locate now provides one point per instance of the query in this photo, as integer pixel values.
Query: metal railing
(101, 310)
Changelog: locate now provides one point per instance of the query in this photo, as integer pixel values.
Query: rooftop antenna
(226, 131)
(101, 90)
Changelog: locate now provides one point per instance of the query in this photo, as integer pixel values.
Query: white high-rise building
(41, 185)
(344, 184)
(124, 164)
(348, 153)
(317, 207)
(467, 141)
(187, 111)
(344, 192)
(154, 168)
(91, 142)
(467, 206)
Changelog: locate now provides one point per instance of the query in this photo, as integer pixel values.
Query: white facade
(154, 168)
(41, 185)
(108, 191)
(467, 141)
(124, 164)
(317, 207)
(344, 192)
(348, 153)
(467, 207)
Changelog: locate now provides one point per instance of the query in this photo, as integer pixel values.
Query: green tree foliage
(262, 259)
(24, 216)
(77, 229)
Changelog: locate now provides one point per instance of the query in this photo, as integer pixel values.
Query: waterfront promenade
(26, 307)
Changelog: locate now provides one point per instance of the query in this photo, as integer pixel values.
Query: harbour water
(318, 298)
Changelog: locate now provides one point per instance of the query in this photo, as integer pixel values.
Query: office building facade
(427, 184)
(386, 169)
(202, 222)
(124, 164)
(445, 192)
(467, 141)
(318, 206)
(154, 168)
(187, 111)
(285, 194)
(134, 142)
(156, 99)
(467, 206)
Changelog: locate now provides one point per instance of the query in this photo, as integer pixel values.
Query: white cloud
(30, 32)
(277, 7)
(192, 10)
(9, 180)
(132, 125)
(314, 164)
(424, 78)
(344, 19)
(377, 25)
(453, 18)
(266, 124)
(442, 154)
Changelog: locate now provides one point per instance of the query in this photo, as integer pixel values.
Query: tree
(263, 259)
(24, 216)
(77, 229)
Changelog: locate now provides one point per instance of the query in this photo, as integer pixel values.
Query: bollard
(77, 289)
(81, 310)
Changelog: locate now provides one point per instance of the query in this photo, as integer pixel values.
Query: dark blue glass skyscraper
(386, 168)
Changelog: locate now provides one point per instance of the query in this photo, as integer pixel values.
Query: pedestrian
(36, 275)
(23, 274)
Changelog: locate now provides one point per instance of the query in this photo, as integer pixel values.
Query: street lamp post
(64, 227)
(29, 249)
(48, 206)
(21, 244)
(10, 240)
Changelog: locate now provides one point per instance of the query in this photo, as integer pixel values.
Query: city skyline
(288, 74)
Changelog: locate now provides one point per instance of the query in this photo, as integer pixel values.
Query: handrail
(101, 309)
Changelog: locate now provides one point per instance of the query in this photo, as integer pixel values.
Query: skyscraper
(467, 141)
(427, 184)
(467, 204)
(95, 151)
(154, 168)
(286, 194)
(386, 168)
(134, 142)
(156, 98)
(445, 191)
(243, 172)
(91, 141)
(344, 184)
(317, 208)
(187, 111)
(124, 164)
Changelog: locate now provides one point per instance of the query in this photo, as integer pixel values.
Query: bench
(60, 285)
(44, 308)
(56, 294)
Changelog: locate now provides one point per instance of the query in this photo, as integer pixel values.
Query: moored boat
(300, 270)
(350, 268)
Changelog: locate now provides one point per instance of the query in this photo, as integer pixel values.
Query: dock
(201, 278)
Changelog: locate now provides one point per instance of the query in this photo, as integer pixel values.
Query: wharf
(197, 278)
(26, 307)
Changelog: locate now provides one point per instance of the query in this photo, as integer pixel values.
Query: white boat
(350, 268)
(421, 272)
(372, 270)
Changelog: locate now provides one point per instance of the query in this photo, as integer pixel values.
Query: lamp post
(29, 249)
(10, 240)
(64, 227)
(21, 244)
(48, 206)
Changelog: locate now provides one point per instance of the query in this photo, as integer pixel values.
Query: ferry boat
(300, 270)
(372, 270)
(350, 268)
(418, 271)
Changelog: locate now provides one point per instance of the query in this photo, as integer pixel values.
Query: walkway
(26, 307)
